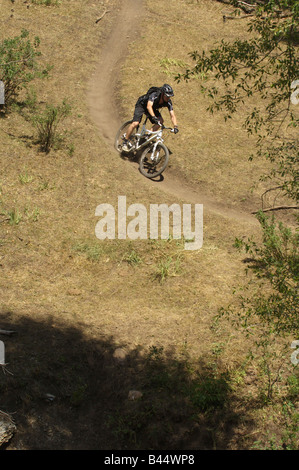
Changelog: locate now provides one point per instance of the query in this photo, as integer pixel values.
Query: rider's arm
(173, 118)
(149, 107)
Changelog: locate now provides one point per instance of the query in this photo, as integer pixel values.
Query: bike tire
(151, 169)
(119, 134)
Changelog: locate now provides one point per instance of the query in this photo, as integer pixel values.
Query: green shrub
(18, 64)
(45, 2)
(47, 122)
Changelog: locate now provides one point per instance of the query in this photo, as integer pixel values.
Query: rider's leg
(138, 113)
(131, 128)
(127, 145)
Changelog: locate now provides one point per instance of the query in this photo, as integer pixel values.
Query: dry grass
(74, 299)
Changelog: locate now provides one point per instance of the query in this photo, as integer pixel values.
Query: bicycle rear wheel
(153, 164)
(121, 135)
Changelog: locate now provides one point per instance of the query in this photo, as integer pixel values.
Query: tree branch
(102, 16)
(278, 208)
(7, 332)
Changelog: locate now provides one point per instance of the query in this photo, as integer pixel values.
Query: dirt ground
(114, 344)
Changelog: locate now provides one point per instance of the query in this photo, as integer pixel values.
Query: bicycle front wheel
(121, 135)
(153, 163)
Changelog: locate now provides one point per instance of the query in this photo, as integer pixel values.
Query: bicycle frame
(150, 136)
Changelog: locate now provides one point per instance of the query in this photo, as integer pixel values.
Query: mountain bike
(155, 156)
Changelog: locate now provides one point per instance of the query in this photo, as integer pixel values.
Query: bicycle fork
(153, 156)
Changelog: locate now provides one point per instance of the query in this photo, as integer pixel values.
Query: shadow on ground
(65, 390)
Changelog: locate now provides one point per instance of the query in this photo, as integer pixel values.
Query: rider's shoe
(127, 146)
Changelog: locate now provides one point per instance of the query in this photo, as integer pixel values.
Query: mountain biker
(149, 105)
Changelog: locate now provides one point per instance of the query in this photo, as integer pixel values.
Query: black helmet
(167, 90)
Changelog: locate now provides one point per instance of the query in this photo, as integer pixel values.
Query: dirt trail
(102, 88)
(102, 103)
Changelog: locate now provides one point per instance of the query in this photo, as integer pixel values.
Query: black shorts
(140, 111)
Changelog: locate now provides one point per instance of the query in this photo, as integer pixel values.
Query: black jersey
(155, 98)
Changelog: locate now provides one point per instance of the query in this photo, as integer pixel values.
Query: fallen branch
(226, 17)
(278, 208)
(99, 19)
(246, 7)
(7, 332)
(5, 370)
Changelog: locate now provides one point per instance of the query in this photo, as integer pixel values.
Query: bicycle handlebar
(161, 125)
(164, 127)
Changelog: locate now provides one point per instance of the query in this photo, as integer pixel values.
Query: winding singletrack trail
(102, 88)
(102, 101)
